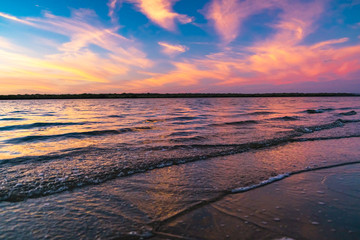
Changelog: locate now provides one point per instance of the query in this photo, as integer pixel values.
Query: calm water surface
(117, 167)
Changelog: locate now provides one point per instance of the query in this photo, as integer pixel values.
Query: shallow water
(131, 163)
(321, 204)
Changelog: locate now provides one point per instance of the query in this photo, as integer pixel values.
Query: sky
(178, 46)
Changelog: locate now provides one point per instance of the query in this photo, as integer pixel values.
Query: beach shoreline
(318, 204)
(123, 169)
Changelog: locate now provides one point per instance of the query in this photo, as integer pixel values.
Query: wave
(324, 138)
(246, 122)
(350, 113)
(287, 118)
(157, 224)
(116, 116)
(185, 118)
(63, 154)
(154, 120)
(285, 175)
(174, 120)
(260, 113)
(77, 135)
(346, 108)
(321, 110)
(12, 119)
(38, 125)
(262, 183)
(191, 139)
(310, 129)
(20, 111)
(164, 157)
(174, 134)
(143, 159)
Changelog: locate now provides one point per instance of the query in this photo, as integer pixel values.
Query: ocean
(120, 168)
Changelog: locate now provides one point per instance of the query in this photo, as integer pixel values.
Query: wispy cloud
(161, 12)
(330, 42)
(272, 65)
(282, 58)
(172, 50)
(113, 5)
(13, 18)
(75, 60)
(228, 16)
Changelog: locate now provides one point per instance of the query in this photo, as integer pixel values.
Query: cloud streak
(113, 5)
(13, 18)
(172, 50)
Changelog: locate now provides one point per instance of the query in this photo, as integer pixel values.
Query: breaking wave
(38, 125)
(97, 165)
(78, 135)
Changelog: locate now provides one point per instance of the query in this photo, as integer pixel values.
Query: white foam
(270, 180)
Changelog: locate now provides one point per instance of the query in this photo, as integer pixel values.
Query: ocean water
(119, 168)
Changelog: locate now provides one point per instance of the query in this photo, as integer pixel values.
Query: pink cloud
(228, 16)
(161, 12)
(113, 5)
(279, 58)
(271, 65)
(172, 50)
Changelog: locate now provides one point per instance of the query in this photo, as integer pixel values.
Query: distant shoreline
(167, 95)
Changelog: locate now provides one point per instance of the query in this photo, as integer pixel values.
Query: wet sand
(321, 204)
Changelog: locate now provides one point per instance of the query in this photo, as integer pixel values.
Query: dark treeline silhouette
(168, 95)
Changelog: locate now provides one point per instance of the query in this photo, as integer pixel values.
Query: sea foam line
(262, 183)
(157, 224)
(285, 175)
(23, 192)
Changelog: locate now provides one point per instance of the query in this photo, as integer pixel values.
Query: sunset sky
(242, 46)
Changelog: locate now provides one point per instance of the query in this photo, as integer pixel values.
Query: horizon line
(168, 95)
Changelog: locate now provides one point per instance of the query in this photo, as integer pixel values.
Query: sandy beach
(319, 204)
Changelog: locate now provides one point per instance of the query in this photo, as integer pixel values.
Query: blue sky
(76, 46)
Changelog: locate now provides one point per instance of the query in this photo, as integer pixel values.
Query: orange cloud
(330, 42)
(278, 59)
(288, 64)
(172, 50)
(74, 61)
(270, 64)
(161, 12)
